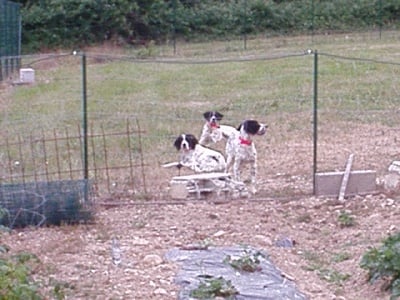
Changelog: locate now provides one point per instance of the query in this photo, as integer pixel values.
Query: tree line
(71, 23)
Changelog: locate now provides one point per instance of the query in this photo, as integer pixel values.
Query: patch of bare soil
(329, 239)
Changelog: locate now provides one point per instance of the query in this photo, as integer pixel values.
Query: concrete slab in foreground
(360, 183)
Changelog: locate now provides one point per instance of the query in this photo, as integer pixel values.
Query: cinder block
(178, 191)
(360, 183)
(27, 75)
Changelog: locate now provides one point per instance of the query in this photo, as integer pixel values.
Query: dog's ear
(178, 142)
(207, 115)
(192, 140)
(219, 116)
(251, 126)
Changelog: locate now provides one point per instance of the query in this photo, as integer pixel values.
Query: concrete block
(392, 182)
(394, 166)
(178, 191)
(360, 183)
(27, 75)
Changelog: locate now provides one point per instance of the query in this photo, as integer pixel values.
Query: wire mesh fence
(10, 38)
(43, 175)
(45, 203)
(358, 112)
(136, 109)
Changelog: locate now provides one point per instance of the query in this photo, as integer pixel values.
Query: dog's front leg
(236, 169)
(253, 176)
(229, 163)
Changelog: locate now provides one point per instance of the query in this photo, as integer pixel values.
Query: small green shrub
(248, 263)
(214, 287)
(384, 263)
(345, 219)
(333, 276)
(15, 282)
(15, 277)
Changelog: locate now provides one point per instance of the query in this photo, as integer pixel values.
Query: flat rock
(266, 284)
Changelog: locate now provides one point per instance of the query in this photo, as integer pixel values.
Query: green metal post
(315, 117)
(84, 119)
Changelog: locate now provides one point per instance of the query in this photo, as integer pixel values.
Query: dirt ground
(323, 263)
(329, 237)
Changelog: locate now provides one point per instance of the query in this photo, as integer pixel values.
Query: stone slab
(361, 182)
(268, 283)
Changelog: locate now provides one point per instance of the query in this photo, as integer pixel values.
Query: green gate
(10, 38)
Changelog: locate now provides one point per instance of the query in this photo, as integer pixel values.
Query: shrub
(345, 219)
(248, 263)
(214, 287)
(74, 23)
(384, 263)
(15, 282)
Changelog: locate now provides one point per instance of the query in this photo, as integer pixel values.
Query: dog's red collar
(243, 141)
(213, 125)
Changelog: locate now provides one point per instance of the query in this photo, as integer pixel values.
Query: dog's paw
(253, 190)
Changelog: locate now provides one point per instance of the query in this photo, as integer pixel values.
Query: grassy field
(271, 81)
(166, 94)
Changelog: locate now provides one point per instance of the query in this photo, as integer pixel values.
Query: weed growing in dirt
(341, 256)
(248, 262)
(214, 287)
(322, 267)
(16, 277)
(333, 276)
(345, 219)
(384, 263)
(15, 281)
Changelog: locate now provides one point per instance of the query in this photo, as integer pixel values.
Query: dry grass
(358, 115)
(357, 98)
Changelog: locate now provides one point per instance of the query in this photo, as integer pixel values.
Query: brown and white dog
(213, 131)
(240, 149)
(197, 157)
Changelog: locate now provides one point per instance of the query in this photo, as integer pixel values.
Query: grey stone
(266, 284)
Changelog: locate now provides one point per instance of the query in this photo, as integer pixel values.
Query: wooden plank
(346, 176)
(171, 164)
(203, 176)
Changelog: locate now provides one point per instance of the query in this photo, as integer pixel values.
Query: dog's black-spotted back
(186, 141)
(213, 115)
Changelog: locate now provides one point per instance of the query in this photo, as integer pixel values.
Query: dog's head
(213, 118)
(185, 142)
(252, 127)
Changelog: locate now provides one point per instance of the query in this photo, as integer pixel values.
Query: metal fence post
(85, 130)
(315, 117)
(84, 119)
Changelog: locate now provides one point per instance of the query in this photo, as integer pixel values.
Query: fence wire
(357, 113)
(10, 38)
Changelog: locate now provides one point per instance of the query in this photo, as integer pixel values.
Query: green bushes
(16, 278)
(67, 23)
(384, 263)
(15, 282)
